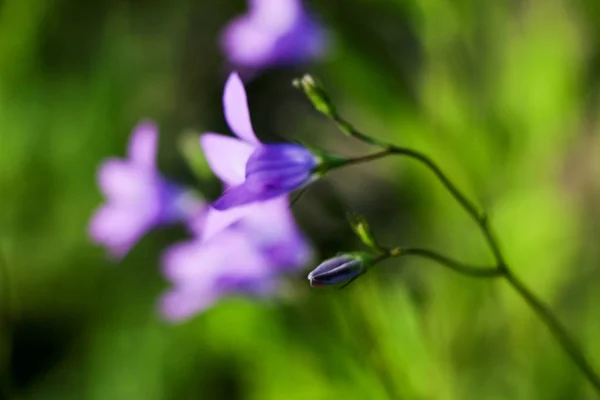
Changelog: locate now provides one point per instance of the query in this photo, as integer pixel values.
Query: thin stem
(361, 159)
(389, 149)
(501, 270)
(349, 130)
(464, 269)
(559, 332)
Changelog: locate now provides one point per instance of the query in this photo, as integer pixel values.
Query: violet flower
(273, 33)
(137, 197)
(240, 253)
(253, 171)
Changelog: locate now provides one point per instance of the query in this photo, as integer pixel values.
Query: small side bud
(192, 153)
(342, 269)
(316, 94)
(361, 228)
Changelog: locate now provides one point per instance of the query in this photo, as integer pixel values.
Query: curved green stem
(559, 332)
(428, 162)
(457, 266)
(501, 269)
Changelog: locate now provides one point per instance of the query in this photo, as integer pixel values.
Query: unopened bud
(341, 269)
(316, 94)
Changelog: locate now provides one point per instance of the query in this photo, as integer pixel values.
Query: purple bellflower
(273, 33)
(243, 251)
(138, 198)
(253, 171)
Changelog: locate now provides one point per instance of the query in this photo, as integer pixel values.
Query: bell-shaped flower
(253, 171)
(243, 251)
(138, 198)
(273, 33)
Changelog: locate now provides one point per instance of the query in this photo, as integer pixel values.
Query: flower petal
(124, 183)
(118, 229)
(201, 263)
(218, 220)
(205, 271)
(276, 157)
(240, 195)
(143, 144)
(182, 303)
(246, 44)
(235, 106)
(262, 186)
(185, 263)
(274, 229)
(226, 156)
(275, 16)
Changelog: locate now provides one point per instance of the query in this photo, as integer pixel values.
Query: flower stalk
(500, 269)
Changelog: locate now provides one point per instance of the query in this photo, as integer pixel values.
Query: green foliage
(497, 92)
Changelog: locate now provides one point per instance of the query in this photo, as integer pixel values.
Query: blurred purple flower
(138, 198)
(253, 171)
(273, 33)
(243, 251)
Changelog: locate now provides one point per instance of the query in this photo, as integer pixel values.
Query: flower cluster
(247, 238)
(243, 242)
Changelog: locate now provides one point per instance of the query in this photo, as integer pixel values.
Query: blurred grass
(500, 93)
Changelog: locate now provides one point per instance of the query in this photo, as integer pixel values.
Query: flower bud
(361, 228)
(316, 94)
(341, 269)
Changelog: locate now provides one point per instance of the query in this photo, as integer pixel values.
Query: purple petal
(274, 229)
(123, 183)
(262, 186)
(271, 226)
(278, 156)
(275, 16)
(118, 229)
(230, 253)
(143, 145)
(218, 220)
(226, 156)
(205, 271)
(183, 262)
(236, 110)
(306, 41)
(247, 44)
(239, 195)
(180, 304)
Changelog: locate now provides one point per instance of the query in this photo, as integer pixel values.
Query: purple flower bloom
(273, 33)
(252, 170)
(138, 198)
(242, 251)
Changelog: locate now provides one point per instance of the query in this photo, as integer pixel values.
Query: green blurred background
(503, 94)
